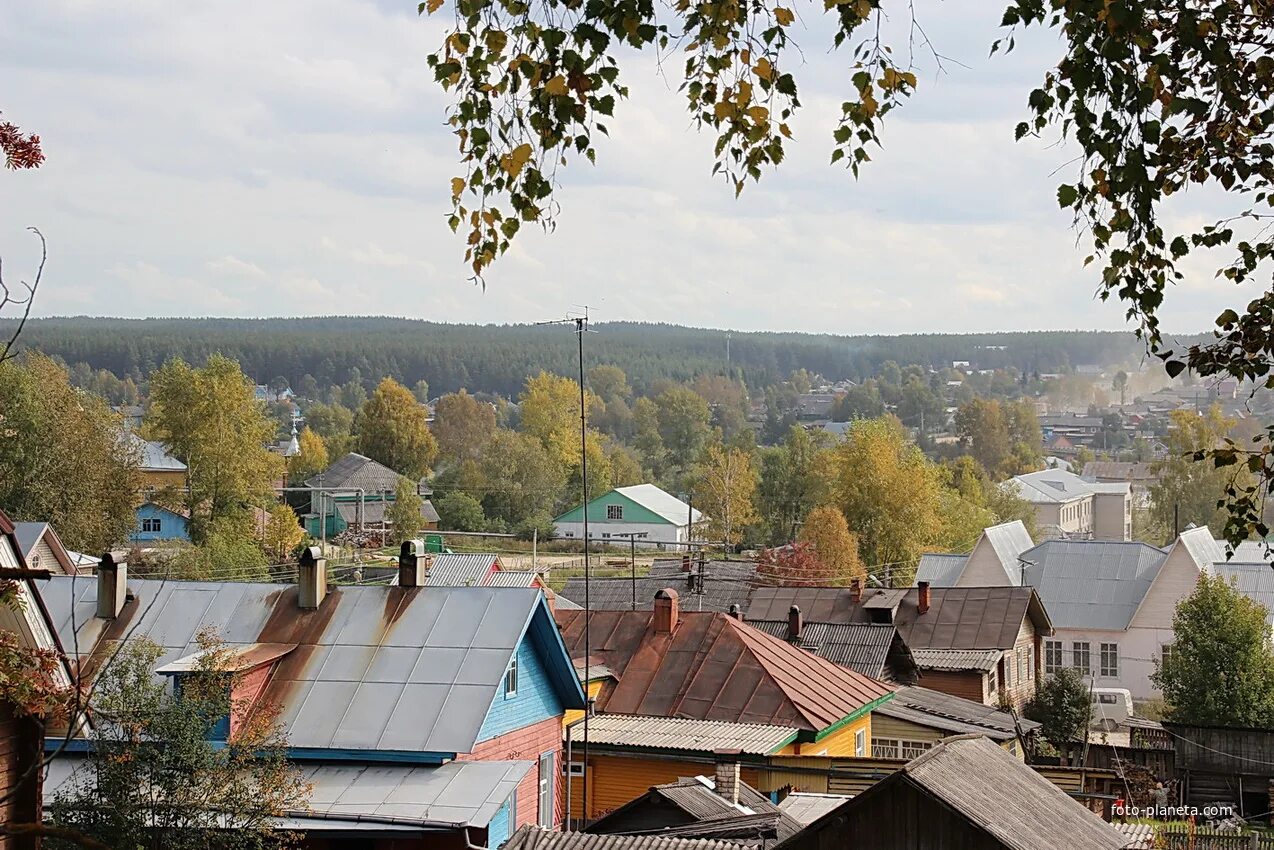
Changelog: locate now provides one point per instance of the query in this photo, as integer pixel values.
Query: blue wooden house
(156, 524)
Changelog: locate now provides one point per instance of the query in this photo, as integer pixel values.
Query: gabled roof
(950, 713)
(709, 815)
(374, 668)
(714, 667)
(957, 660)
(958, 617)
(539, 838)
(862, 647)
(941, 570)
(29, 535)
(663, 505)
(806, 807)
(1009, 540)
(678, 733)
(374, 511)
(355, 470)
(1202, 546)
(1092, 584)
(990, 789)
(1050, 486)
(1115, 470)
(154, 456)
(1255, 581)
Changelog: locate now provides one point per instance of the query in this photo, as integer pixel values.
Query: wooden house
(1225, 765)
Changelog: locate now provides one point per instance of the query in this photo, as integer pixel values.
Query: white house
(1111, 602)
(656, 518)
(1068, 506)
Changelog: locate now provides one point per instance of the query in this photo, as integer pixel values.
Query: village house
(356, 492)
(1068, 506)
(966, 793)
(1111, 603)
(667, 663)
(980, 643)
(159, 518)
(702, 586)
(873, 649)
(918, 718)
(378, 687)
(1140, 477)
(42, 549)
(642, 512)
(535, 838)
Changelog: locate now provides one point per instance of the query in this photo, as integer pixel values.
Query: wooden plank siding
(970, 684)
(21, 740)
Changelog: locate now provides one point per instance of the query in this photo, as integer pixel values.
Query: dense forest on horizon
(498, 358)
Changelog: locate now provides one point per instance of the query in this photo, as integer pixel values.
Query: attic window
(614, 511)
(511, 678)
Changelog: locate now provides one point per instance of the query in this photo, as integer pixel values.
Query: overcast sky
(280, 157)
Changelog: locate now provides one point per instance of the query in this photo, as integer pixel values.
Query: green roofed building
(642, 509)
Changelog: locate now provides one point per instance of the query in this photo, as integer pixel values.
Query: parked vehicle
(1111, 707)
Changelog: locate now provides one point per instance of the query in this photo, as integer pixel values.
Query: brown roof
(714, 667)
(958, 617)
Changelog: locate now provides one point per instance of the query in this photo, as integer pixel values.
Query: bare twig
(24, 300)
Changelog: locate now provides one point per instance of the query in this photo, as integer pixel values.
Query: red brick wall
(527, 744)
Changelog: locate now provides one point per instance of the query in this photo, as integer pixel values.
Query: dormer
(246, 670)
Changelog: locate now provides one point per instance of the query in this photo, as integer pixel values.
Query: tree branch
(7, 297)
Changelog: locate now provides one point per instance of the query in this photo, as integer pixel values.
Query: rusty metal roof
(374, 667)
(958, 617)
(711, 593)
(676, 733)
(538, 838)
(714, 667)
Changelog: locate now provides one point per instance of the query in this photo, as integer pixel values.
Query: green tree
(394, 431)
(1187, 491)
(1062, 706)
(228, 552)
(403, 513)
(462, 425)
(836, 548)
(209, 419)
(157, 775)
(282, 533)
(335, 424)
(860, 402)
(984, 432)
(1120, 385)
(1220, 671)
(421, 391)
(609, 382)
(519, 478)
(63, 457)
(461, 512)
(310, 460)
(725, 491)
(683, 416)
(794, 478)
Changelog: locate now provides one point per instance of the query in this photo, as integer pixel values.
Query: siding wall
(904, 730)
(984, 568)
(970, 685)
(1022, 689)
(1112, 516)
(616, 780)
(656, 533)
(535, 700)
(841, 742)
(528, 744)
(20, 745)
(1138, 648)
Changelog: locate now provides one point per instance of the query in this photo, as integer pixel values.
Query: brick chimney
(112, 586)
(856, 591)
(311, 578)
(413, 564)
(685, 563)
(794, 623)
(726, 777)
(922, 598)
(666, 615)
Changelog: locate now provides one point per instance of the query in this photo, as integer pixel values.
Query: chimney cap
(108, 561)
(667, 593)
(310, 555)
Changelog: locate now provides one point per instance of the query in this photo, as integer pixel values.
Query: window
(1110, 659)
(151, 524)
(614, 511)
(1165, 652)
(605, 535)
(1030, 664)
(569, 534)
(547, 781)
(1052, 656)
(1108, 699)
(511, 678)
(860, 742)
(1080, 659)
(884, 748)
(1021, 666)
(1006, 664)
(575, 768)
(513, 811)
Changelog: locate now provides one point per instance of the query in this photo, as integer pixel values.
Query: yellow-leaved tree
(551, 414)
(393, 430)
(835, 546)
(725, 491)
(310, 460)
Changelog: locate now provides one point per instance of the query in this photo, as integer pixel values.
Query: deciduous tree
(462, 425)
(794, 478)
(834, 545)
(335, 424)
(1062, 706)
(725, 491)
(403, 513)
(282, 533)
(394, 430)
(460, 512)
(1187, 491)
(310, 460)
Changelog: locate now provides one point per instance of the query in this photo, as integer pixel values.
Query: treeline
(498, 359)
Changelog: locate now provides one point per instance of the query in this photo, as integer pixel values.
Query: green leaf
(1067, 195)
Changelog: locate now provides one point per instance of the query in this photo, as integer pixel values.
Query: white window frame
(615, 512)
(860, 743)
(573, 768)
(1111, 651)
(1053, 655)
(511, 678)
(1086, 667)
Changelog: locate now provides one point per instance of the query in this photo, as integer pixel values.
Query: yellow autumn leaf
(745, 56)
(784, 16)
(514, 161)
(759, 114)
(556, 86)
(432, 6)
(496, 40)
(459, 42)
(862, 8)
(909, 78)
(785, 130)
(723, 109)
(744, 95)
(457, 186)
(764, 69)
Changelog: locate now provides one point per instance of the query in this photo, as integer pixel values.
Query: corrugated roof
(617, 594)
(375, 511)
(698, 798)
(243, 657)
(677, 733)
(1009, 541)
(538, 838)
(714, 667)
(1115, 470)
(374, 668)
(461, 570)
(950, 713)
(805, 808)
(154, 456)
(660, 502)
(1092, 584)
(355, 470)
(513, 578)
(1255, 581)
(462, 793)
(958, 617)
(1202, 546)
(941, 570)
(862, 647)
(956, 659)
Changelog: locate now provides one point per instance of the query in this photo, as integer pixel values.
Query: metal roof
(240, 658)
(374, 511)
(949, 713)
(617, 594)
(374, 668)
(1255, 581)
(714, 667)
(805, 807)
(720, 570)
(1202, 546)
(958, 617)
(154, 456)
(863, 647)
(941, 570)
(28, 535)
(1115, 470)
(660, 502)
(447, 570)
(355, 470)
(513, 578)
(1009, 541)
(538, 838)
(676, 733)
(956, 659)
(374, 797)
(717, 816)
(1092, 584)
(1050, 486)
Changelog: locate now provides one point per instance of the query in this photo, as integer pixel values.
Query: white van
(1111, 707)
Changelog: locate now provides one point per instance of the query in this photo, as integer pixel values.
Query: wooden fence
(1176, 837)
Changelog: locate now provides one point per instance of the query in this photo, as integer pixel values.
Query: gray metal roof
(355, 470)
(697, 797)
(674, 733)
(806, 808)
(373, 797)
(1255, 581)
(617, 594)
(374, 511)
(956, 659)
(154, 456)
(513, 578)
(1050, 486)
(28, 534)
(374, 668)
(863, 647)
(1009, 541)
(1202, 546)
(1092, 584)
(950, 713)
(719, 570)
(538, 838)
(448, 570)
(660, 502)
(941, 570)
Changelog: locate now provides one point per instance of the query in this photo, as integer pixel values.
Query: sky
(290, 158)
